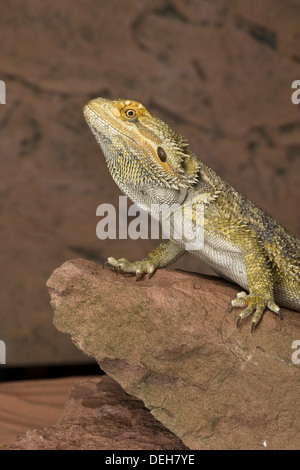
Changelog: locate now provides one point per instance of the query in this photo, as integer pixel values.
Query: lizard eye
(162, 154)
(130, 113)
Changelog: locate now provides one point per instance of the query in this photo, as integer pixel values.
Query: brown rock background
(220, 72)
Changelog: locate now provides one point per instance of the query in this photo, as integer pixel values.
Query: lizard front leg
(163, 255)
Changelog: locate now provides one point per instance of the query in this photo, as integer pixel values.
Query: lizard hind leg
(253, 303)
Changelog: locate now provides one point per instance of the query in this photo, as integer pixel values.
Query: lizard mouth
(93, 117)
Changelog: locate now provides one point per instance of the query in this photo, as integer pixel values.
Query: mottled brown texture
(170, 342)
(99, 415)
(219, 72)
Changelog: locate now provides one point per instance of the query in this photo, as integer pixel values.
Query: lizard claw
(115, 265)
(105, 263)
(253, 303)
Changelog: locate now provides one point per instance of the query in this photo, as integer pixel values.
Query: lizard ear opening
(162, 154)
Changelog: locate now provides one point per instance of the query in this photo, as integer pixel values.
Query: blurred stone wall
(219, 71)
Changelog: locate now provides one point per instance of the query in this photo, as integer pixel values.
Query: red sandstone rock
(99, 415)
(170, 342)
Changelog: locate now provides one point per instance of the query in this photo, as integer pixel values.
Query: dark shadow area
(48, 372)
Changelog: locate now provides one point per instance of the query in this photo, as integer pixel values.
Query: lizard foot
(253, 303)
(139, 268)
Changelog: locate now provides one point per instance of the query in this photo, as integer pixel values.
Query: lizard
(154, 166)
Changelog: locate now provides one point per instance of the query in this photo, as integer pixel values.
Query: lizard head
(148, 160)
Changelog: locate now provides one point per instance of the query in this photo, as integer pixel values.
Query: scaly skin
(152, 164)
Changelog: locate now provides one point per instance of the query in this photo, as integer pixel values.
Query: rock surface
(100, 415)
(170, 342)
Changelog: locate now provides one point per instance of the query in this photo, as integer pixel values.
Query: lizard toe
(239, 301)
(274, 308)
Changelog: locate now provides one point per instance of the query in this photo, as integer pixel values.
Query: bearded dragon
(154, 166)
